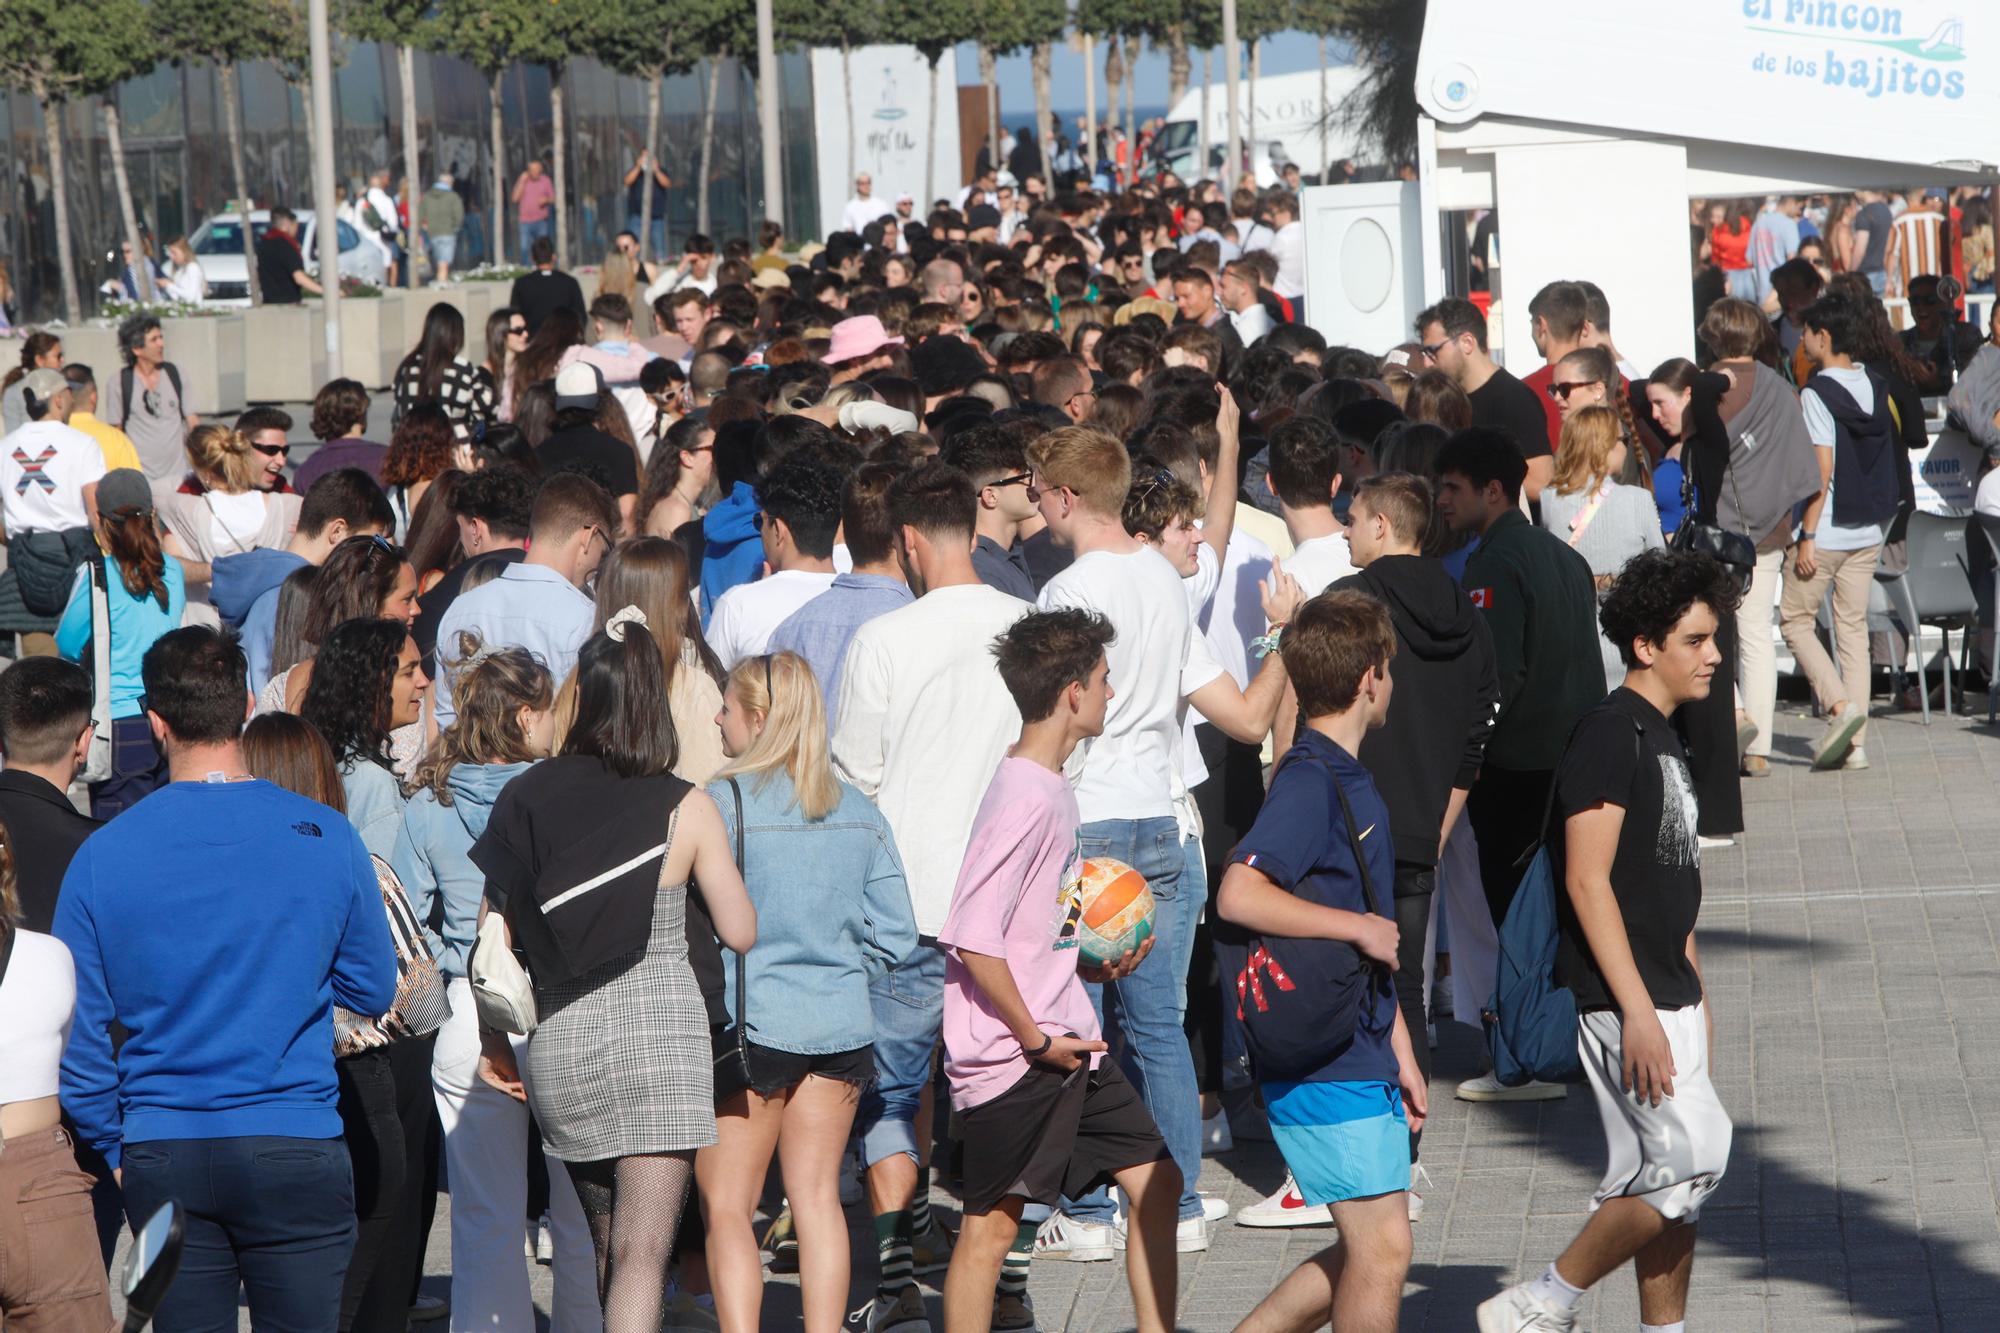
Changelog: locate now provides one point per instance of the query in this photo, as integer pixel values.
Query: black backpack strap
(174, 378)
(124, 395)
(1360, 856)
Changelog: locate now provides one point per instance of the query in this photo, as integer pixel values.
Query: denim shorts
(907, 1003)
(444, 249)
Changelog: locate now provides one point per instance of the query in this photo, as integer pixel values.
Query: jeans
(275, 1215)
(1146, 1008)
(486, 1164)
(531, 230)
(658, 249)
(907, 1003)
(1850, 574)
(1414, 885)
(389, 1118)
(444, 249)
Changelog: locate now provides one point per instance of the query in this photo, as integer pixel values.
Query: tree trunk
(1256, 68)
(709, 96)
(1114, 80)
(930, 138)
(1132, 99)
(1180, 65)
(1039, 64)
(1089, 144)
(52, 140)
(847, 96)
(649, 166)
(413, 177)
(232, 120)
(1232, 67)
(1325, 112)
(561, 166)
(496, 125)
(114, 140)
(1207, 73)
(989, 97)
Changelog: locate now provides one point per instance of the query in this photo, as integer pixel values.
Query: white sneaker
(1837, 742)
(545, 1241)
(1418, 1176)
(1857, 759)
(1515, 1310)
(1213, 1207)
(1215, 1135)
(1190, 1236)
(1487, 1088)
(1286, 1208)
(901, 1313)
(1064, 1237)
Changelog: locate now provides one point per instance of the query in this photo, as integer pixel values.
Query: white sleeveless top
(37, 1002)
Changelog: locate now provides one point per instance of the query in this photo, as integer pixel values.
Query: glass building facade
(177, 153)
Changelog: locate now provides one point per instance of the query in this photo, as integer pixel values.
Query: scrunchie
(614, 628)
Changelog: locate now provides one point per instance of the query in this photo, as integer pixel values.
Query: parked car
(218, 242)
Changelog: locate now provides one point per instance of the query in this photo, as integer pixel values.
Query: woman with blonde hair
(232, 514)
(187, 283)
(1603, 520)
(618, 276)
(833, 912)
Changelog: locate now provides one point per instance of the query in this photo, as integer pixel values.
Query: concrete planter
(284, 352)
(371, 338)
(473, 300)
(93, 345)
(209, 351)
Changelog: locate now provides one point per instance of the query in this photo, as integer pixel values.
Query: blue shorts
(1341, 1140)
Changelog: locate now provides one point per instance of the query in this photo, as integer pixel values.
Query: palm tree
(1384, 36)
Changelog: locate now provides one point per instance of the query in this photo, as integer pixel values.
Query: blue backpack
(1531, 1020)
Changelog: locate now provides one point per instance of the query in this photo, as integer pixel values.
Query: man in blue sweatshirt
(218, 923)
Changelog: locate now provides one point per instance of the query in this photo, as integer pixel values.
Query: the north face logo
(307, 828)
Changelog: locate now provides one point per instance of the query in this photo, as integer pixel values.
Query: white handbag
(501, 991)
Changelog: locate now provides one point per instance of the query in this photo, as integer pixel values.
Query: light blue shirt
(136, 622)
(820, 630)
(529, 606)
(259, 635)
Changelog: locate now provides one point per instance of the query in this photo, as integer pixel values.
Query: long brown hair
(287, 751)
(651, 573)
(489, 690)
(1876, 344)
(33, 348)
(133, 539)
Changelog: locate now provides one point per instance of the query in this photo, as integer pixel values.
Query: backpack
(125, 378)
(1531, 1020)
(1300, 1000)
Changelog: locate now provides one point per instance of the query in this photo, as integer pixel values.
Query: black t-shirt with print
(1625, 753)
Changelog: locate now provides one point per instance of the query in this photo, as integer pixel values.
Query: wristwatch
(1812, 536)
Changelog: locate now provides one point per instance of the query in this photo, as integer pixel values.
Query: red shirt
(1540, 382)
(1730, 249)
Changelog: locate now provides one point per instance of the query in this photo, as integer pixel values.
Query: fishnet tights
(633, 1207)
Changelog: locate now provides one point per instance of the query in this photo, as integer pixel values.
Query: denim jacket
(430, 857)
(374, 803)
(832, 912)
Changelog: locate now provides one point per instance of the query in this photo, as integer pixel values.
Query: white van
(1289, 112)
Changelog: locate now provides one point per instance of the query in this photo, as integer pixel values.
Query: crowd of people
(666, 753)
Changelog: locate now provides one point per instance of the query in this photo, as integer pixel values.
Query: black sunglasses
(273, 450)
(1562, 389)
(1018, 479)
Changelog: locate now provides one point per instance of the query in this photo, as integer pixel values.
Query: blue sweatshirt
(239, 580)
(732, 550)
(219, 923)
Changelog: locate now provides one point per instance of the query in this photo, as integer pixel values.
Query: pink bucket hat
(860, 336)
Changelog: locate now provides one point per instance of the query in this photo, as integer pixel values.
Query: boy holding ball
(1344, 1127)
(1044, 1114)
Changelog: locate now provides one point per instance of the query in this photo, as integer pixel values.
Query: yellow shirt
(114, 443)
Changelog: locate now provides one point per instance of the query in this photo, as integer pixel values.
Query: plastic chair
(1935, 590)
(1989, 525)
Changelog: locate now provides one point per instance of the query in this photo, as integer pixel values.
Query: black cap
(944, 364)
(981, 215)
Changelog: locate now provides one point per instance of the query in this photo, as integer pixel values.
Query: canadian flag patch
(1481, 598)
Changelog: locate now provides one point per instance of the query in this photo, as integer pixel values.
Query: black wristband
(1048, 1040)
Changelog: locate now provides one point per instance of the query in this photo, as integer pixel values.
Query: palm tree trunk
(930, 137)
(496, 126)
(1325, 111)
(114, 140)
(1132, 99)
(561, 163)
(847, 95)
(1040, 66)
(651, 165)
(1256, 68)
(1089, 144)
(1207, 72)
(1114, 80)
(713, 91)
(406, 73)
(52, 140)
(1179, 64)
(232, 121)
(989, 87)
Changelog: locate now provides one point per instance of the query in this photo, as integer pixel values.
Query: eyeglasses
(273, 450)
(1080, 393)
(1562, 389)
(383, 543)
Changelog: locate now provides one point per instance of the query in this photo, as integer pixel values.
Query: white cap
(577, 385)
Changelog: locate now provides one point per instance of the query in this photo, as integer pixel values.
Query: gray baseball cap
(124, 489)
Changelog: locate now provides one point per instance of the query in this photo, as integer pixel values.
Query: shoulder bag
(501, 990)
(1733, 550)
(420, 1007)
(732, 1041)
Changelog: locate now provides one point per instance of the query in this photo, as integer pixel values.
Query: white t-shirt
(1224, 626)
(743, 619)
(1289, 245)
(1317, 562)
(860, 212)
(922, 721)
(1819, 425)
(1129, 771)
(37, 1004)
(674, 280)
(44, 467)
(1251, 324)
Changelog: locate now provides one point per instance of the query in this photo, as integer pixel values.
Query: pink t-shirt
(537, 193)
(1016, 899)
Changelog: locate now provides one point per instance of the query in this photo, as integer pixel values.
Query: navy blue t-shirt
(1300, 836)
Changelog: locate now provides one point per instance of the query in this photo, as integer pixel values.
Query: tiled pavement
(1849, 947)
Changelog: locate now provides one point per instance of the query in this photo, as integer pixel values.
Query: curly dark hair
(1655, 589)
(420, 448)
(804, 492)
(347, 699)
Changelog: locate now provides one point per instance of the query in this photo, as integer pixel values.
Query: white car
(218, 244)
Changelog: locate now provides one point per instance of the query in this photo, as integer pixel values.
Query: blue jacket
(219, 923)
(832, 912)
(732, 552)
(375, 804)
(136, 624)
(431, 858)
(241, 579)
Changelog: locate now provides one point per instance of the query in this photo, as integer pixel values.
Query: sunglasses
(1562, 389)
(517, 330)
(1431, 350)
(273, 450)
(1018, 479)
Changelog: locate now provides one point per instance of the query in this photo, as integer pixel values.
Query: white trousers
(1756, 652)
(486, 1163)
(1475, 945)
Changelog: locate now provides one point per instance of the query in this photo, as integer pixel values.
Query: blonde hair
(1090, 462)
(794, 734)
(1583, 458)
(490, 689)
(223, 458)
(617, 275)
(180, 251)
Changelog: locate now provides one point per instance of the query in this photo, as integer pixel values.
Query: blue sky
(1283, 54)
